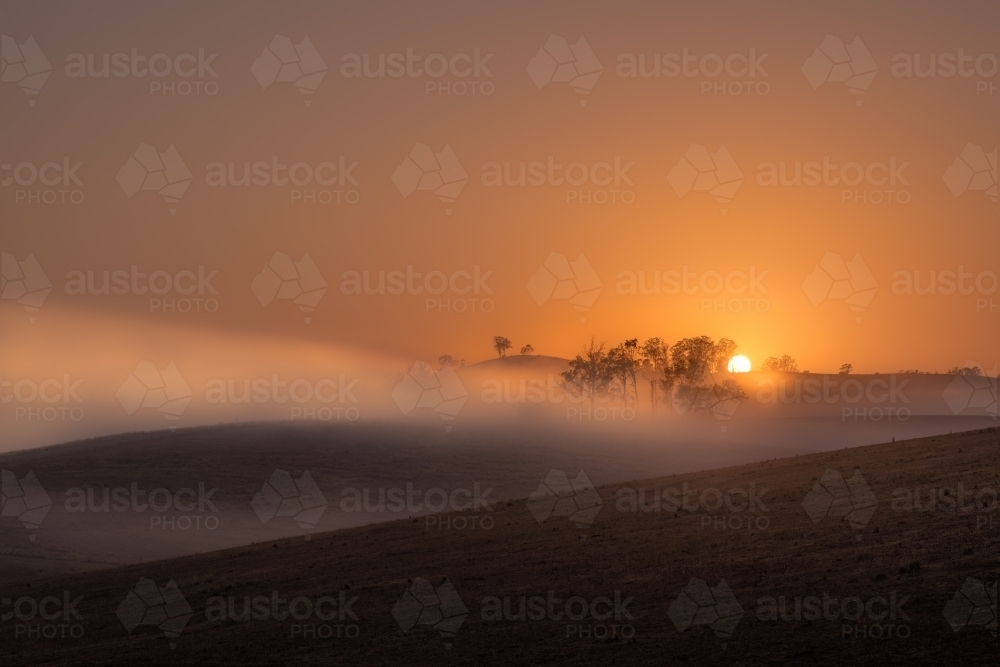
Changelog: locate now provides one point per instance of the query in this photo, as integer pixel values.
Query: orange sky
(646, 124)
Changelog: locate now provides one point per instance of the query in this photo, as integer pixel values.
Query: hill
(885, 554)
(233, 462)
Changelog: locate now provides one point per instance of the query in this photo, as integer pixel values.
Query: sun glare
(739, 364)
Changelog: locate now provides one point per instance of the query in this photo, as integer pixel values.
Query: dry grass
(649, 556)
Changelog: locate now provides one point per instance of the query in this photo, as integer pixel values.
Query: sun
(739, 364)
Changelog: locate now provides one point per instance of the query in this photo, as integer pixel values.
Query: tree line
(684, 374)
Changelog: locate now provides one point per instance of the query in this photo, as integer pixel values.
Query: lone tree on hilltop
(501, 344)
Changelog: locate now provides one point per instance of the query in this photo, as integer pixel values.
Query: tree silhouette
(446, 361)
(652, 361)
(785, 364)
(688, 377)
(589, 374)
(527, 349)
(501, 344)
(845, 369)
(721, 353)
(623, 363)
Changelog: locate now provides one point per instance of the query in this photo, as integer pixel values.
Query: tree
(690, 361)
(785, 364)
(688, 377)
(631, 354)
(527, 349)
(501, 345)
(653, 360)
(446, 361)
(845, 369)
(589, 373)
(692, 357)
(617, 370)
(721, 354)
(965, 370)
(623, 362)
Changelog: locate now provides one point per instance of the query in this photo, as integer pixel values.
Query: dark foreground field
(880, 555)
